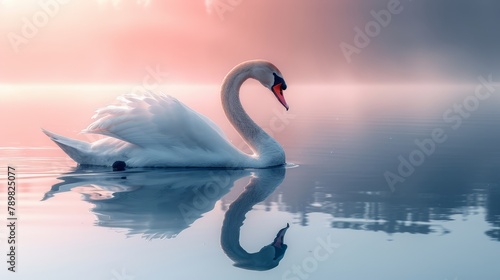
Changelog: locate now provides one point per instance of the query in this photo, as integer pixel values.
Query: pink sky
(115, 41)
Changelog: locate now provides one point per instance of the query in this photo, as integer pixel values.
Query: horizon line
(122, 85)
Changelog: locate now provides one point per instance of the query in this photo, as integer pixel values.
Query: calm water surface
(440, 219)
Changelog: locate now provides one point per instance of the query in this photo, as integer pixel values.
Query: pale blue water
(346, 221)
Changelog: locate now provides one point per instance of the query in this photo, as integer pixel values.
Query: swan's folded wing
(157, 121)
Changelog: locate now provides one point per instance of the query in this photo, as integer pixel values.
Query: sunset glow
(114, 41)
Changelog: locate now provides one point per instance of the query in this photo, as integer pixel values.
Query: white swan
(159, 131)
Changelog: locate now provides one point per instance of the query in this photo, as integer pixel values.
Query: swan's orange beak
(278, 92)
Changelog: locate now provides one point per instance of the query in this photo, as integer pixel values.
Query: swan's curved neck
(267, 150)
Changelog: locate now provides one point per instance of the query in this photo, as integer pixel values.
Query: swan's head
(270, 77)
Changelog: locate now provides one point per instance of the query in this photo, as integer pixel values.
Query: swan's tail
(76, 149)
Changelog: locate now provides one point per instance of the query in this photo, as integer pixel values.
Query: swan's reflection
(162, 203)
(158, 203)
(263, 183)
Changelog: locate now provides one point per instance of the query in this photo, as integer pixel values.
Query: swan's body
(159, 131)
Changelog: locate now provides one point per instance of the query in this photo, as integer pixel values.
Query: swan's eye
(279, 80)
